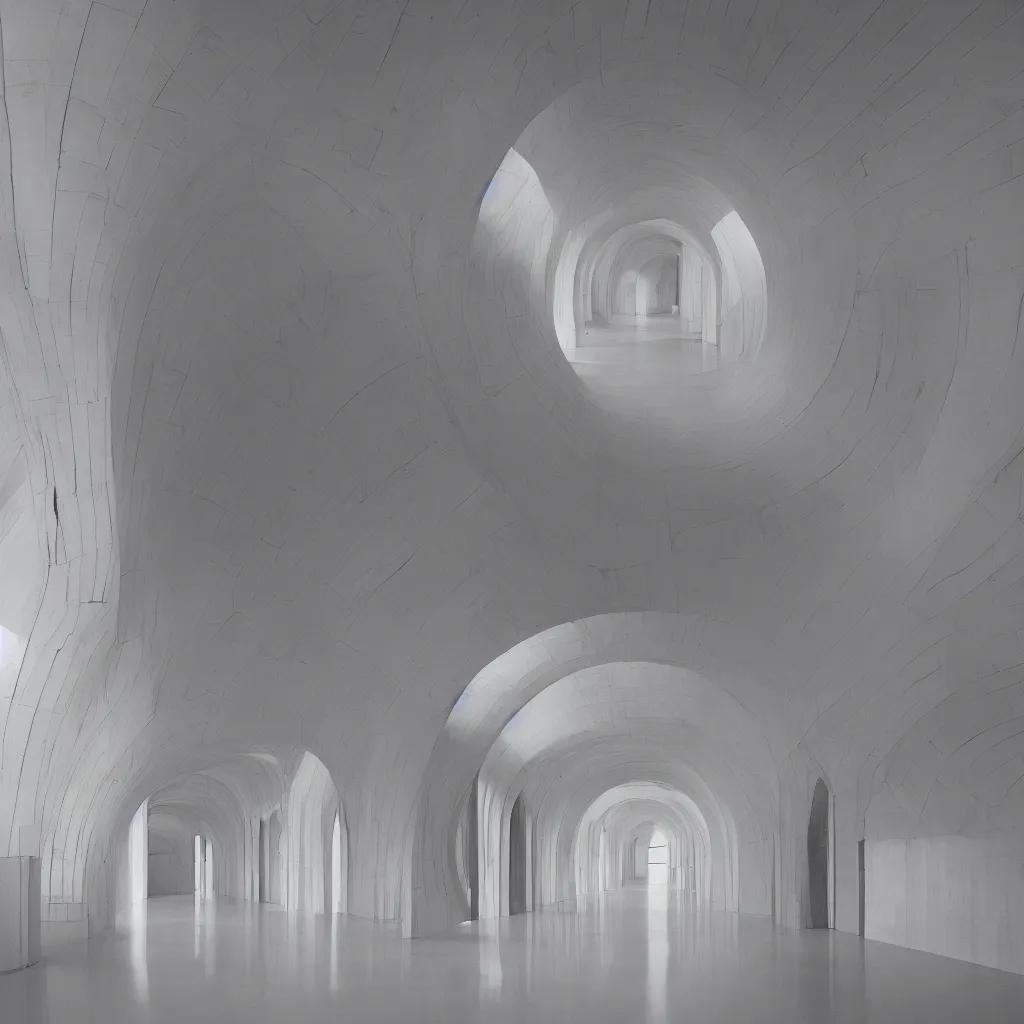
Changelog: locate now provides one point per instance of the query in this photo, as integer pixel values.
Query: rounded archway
(819, 858)
(265, 826)
(552, 739)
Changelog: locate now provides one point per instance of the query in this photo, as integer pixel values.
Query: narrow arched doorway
(199, 865)
(339, 867)
(270, 859)
(264, 868)
(517, 858)
(818, 857)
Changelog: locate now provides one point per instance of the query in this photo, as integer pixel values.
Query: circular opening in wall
(645, 296)
(635, 252)
(635, 267)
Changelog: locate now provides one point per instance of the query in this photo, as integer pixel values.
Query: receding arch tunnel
(444, 445)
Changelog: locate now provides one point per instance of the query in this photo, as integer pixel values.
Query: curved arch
(222, 496)
(599, 239)
(268, 818)
(819, 857)
(620, 811)
(312, 807)
(482, 727)
(713, 822)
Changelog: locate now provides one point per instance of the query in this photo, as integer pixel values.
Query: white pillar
(19, 912)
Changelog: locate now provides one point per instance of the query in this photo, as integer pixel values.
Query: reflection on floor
(641, 368)
(641, 955)
(637, 344)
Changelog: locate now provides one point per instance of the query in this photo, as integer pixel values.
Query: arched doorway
(817, 857)
(517, 858)
(270, 859)
(198, 857)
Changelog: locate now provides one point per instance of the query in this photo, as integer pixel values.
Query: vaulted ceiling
(290, 454)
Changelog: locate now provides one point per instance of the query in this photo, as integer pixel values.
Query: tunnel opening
(818, 857)
(170, 857)
(638, 305)
(517, 858)
(647, 294)
(339, 902)
(270, 859)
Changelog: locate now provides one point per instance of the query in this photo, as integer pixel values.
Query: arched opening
(818, 857)
(312, 807)
(587, 801)
(517, 858)
(641, 293)
(263, 869)
(270, 859)
(657, 858)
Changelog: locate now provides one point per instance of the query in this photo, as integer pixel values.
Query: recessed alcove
(654, 300)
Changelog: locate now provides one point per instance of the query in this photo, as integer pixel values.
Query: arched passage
(566, 728)
(818, 857)
(270, 858)
(606, 259)
(614, 835)
(517, 858)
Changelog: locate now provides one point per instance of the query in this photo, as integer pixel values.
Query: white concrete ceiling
(290, 454)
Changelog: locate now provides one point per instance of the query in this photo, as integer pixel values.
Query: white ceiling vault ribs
(302, 456)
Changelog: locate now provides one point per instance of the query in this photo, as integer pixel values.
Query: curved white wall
(299, 457)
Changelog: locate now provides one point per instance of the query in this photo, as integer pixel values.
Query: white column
(19, 912)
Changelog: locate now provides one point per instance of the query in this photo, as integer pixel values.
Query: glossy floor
(635, 956)
(641, 370)
(648, 346)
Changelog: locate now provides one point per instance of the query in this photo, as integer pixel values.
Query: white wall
(959, 896)
(744, 292)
